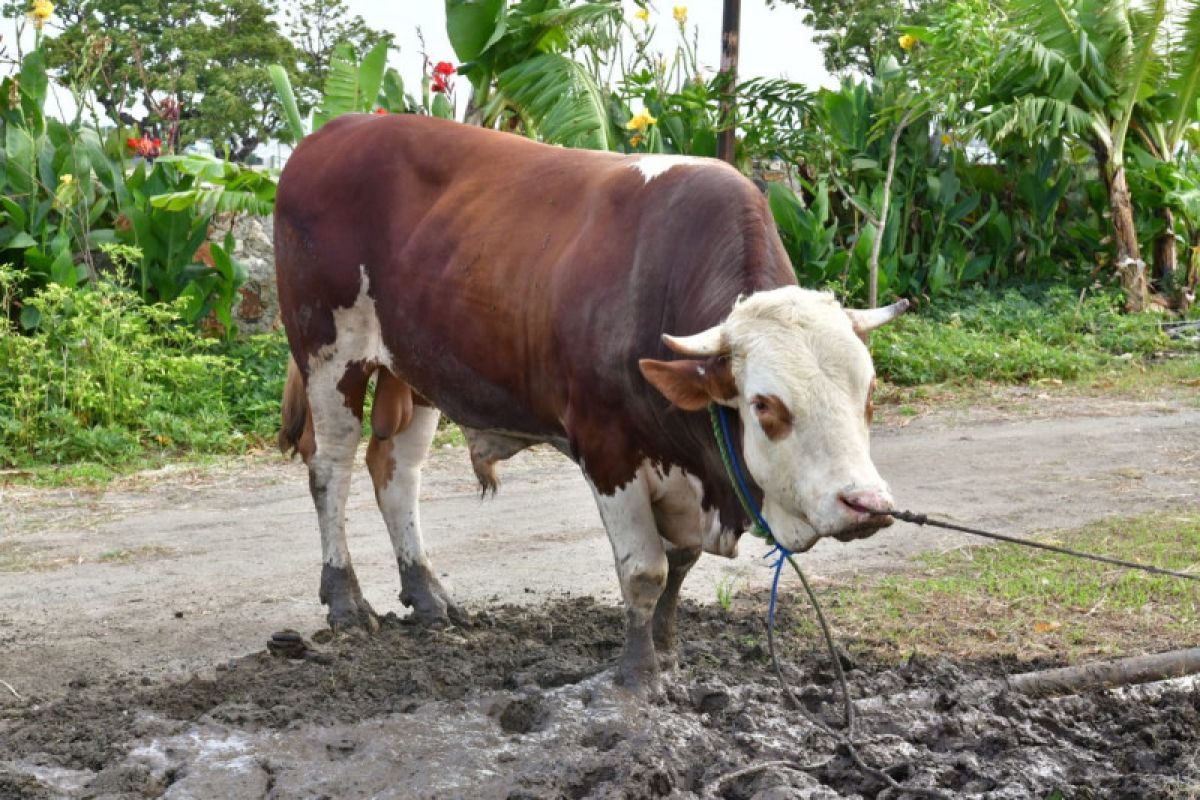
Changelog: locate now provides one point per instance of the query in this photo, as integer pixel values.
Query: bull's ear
(690, 384)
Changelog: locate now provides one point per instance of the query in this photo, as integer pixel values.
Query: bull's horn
(705, 343)
(870, 319)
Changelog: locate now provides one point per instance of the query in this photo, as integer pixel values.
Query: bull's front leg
(642, 569)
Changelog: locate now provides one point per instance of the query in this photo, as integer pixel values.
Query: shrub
(107, 377)
(1012, 336)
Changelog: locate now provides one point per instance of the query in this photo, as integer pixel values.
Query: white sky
(774, 42)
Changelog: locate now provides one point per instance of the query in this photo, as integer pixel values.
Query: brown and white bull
(536, 294)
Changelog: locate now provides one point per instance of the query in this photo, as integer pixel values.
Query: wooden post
(730, 26)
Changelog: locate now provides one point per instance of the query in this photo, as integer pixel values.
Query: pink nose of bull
(859, 507)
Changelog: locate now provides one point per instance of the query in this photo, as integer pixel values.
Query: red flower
(157, 143)
(439, 84)
(131, 143)
(444, 68)
(380, 112)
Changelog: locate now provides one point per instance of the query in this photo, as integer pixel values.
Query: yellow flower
(67, 179)
(641, 122)
(907, 41)
(40, 11)
(680, 13)
(643, 14)
(947, 141)
(635, 140)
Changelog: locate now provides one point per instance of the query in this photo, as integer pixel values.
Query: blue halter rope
(759, 526)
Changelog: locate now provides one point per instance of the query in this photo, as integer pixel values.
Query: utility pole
(730, 27)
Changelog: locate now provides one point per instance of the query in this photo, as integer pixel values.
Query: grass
(1004, 600)
(17, 556)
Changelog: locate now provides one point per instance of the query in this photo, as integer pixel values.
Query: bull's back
(461, 235)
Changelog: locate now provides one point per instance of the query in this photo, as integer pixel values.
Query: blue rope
(740, 479)
(783, 554)
(737, 472)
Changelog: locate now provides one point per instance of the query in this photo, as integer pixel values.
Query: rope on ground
(761, 529)
(922, 519)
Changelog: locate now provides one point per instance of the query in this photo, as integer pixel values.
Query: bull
(594, 301)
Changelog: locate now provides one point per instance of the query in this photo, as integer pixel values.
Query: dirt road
(179, 570)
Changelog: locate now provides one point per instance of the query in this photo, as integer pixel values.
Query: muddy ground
(126, 618)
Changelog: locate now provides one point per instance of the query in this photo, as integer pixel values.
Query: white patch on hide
(336, 429)
(654, 165)
(637, 548)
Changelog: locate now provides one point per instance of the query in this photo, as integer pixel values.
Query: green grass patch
(1014, 336)
(1006, 599)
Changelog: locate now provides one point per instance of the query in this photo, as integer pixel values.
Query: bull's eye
(773, 415)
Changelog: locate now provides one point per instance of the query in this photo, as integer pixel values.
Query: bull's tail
(295, 412)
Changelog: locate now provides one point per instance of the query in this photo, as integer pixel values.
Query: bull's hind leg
(335, 403)
(680, 560)
(401, 434)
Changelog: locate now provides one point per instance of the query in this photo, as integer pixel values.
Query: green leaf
(370, 75)
(21, 241)
(563, 101)
(474, 25)
(287, 98)
(393, 92)
(33, 78)
(20, 160)
(341, 89)
(30, 317)
(440, 107)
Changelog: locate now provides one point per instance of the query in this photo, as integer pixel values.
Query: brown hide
(518, 284)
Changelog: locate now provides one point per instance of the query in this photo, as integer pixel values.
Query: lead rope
(760, 528)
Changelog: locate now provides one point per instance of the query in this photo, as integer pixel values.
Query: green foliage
(219, 187)
(207, 56)
(352, 85)
(105, 377)
(1013, 336)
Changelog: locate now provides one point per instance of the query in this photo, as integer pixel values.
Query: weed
(727, 589)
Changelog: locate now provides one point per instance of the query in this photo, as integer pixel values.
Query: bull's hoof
(430, 602)
(668, 660)
(352, 615)
(638, 676)
(348, 609)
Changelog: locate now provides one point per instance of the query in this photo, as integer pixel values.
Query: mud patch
(520, 705)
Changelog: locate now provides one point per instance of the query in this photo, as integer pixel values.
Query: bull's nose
(866, 502)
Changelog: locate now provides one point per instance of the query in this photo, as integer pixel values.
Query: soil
(126, 618)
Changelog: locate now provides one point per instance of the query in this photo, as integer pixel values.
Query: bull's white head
(793, 363)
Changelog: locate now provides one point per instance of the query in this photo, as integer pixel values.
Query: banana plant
(519, 62)
(1089, 69)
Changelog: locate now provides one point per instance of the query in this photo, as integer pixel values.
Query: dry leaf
(1046, 627)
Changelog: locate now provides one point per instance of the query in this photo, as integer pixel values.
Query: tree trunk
(1130, 266)
(730, 33)
(1164, 250)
